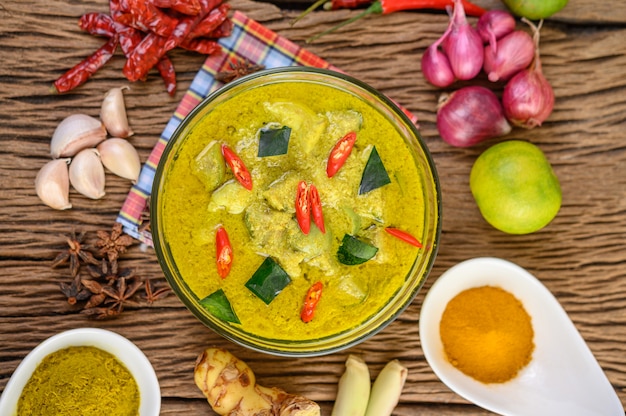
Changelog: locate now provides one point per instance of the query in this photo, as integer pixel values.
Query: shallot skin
(463, 45)
(471, 115)
(528, 99)
(436, 67)
(494, 25)
(512, 53)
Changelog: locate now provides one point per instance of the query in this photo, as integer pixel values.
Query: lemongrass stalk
(387, 389)
(353, 390)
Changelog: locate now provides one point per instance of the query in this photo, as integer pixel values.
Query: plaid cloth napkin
(249, 40)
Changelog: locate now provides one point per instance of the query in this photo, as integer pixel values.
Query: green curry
(199, 193)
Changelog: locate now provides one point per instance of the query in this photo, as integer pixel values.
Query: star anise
(238, 70)
(122, 294)
(154, 295)
(109, 272)
(97, 297)
(75, 292)
(76, 252)
(114, 243)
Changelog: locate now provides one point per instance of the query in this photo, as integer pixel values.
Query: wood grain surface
(580, 256)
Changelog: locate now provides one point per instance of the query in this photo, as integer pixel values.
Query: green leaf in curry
(374, 175)
(274, 141)
(268, 281)
(353, 251)
(219, 306)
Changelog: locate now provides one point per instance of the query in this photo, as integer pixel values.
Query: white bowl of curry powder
(79, 369)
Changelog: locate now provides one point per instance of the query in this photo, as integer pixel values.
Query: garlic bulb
(120, 157)
(75, 133)
(113, 113)
(87, 174)
(52, 184)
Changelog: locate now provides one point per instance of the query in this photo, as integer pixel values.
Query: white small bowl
(562, 378)
(125, 351)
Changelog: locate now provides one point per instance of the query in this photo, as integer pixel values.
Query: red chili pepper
(311, 300)
(237, 166)
(168, 73)
(211, 21)
(340, 153)
(345, 4)
(224, 252)
(186, 24)
(190, 7)
(98, 24)
(390, 6)
(101, 24)
(129, 38)
(82, 71)
(404, 236)
(145, 56)
(316, 208)
(145, 16)
(332, 5)
(222, 31)
(303, 207)
(201, 45)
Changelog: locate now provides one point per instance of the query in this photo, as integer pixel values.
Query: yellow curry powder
(79, 381)
(487, 334)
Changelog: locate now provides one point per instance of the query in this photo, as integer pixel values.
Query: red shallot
(528, 98)
(511, 54)
(436, 65)
(495, 24)
(463, 45)
(470, 115)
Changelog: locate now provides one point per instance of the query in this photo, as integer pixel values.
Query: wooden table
(580, 256)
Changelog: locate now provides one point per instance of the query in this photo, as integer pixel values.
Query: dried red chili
(146, 55)
(311, 300)
(190, 7)
(145, 31)
(224, 252)
(340, 153)
(166, 69)
(316, 208)
(82, 71)
(237, 166)
(211, 21)
(145, 16)
(303, 207)
(201, 45)
(404, 236)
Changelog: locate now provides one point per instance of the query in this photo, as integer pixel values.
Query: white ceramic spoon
(563, 377)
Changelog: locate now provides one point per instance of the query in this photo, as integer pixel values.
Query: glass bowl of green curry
(296, 211)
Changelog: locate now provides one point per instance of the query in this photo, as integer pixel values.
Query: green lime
(515, 187)
(535, 9)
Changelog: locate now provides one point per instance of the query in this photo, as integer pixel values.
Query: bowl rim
(123, 349)
(424, 152)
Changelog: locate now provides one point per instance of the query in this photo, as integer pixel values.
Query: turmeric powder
(487, 334)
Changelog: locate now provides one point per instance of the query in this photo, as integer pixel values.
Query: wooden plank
(579, 256)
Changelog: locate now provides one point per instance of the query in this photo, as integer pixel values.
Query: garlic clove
(87, 174)
(120, 157)
(75, 133)
(113, 113)
(52, 184)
